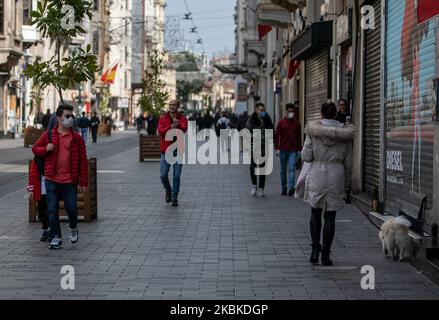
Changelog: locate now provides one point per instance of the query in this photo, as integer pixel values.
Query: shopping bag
(300, 184)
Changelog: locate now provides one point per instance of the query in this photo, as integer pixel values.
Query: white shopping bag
(300, 184)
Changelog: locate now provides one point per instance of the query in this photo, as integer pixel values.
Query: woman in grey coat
(328, 147)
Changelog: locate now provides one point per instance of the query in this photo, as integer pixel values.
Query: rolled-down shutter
(372, 104)
(316, 85)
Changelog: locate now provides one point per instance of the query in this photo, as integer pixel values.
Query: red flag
(263, 30)
(427, 9)
(294, 65)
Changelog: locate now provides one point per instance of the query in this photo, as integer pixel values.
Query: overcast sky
(214, 20)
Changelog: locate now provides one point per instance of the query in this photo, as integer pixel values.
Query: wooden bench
(31, 136)
(87, 202)
(149, 148)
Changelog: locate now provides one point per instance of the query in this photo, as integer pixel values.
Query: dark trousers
(54, 193)
(42, 212)
(254, 177)
(328, 228)
(94, 134)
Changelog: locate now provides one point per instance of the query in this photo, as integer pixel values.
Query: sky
(213, 19)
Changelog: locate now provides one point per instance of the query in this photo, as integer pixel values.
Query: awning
(277, 12)
(314, 38)
(290, 5)
(232, 68)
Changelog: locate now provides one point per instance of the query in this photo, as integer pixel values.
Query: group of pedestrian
(148, 122)
(85, 125)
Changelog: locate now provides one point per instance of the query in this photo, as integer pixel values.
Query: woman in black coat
(261, 120)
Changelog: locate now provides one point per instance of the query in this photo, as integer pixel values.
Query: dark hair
(259, 104)
(329, 110)
(290, 106)
(344, 100)
(83, 113)
(63, 107)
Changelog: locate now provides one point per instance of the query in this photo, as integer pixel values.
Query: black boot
(325, 258)
(315, 254)
(168, 196)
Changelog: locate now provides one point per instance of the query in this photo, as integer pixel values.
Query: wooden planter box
(87, 202)
(149, 148)
(104, 130)
(31, 136)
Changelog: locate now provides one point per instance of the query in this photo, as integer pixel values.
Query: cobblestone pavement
(219, 244)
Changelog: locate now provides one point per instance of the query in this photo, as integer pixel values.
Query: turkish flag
(427, 9)
(294, 65)
(263, 30)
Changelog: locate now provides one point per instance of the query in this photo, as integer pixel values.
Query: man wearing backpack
(65, 170)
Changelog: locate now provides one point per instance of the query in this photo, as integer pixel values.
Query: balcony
(30, 34)
(277, 12)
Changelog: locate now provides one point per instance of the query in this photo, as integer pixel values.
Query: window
(96, 5)
(2, 16)
(27, 9)
(95, 42)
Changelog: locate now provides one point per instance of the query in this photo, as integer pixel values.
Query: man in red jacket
(65, 170)
(171, 120)
(288, 143)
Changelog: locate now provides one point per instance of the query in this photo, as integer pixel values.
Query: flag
(294, 65)
(109, 75)
(263, 30)
(427, 9)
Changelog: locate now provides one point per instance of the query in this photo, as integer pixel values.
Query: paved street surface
(219, 244)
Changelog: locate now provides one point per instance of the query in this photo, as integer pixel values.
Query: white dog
(395, 238)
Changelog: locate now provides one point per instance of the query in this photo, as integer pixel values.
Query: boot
(315, 254)
(325, 258)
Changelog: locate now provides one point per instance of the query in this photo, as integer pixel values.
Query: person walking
(171, 120)
(223, 124)
(151, 127)
(328, 147)
(261, 120)
(84, 124)
(46, 119)
(65, 171)
(94, 125)
(37, 192)
(288, 144)
(242, 120)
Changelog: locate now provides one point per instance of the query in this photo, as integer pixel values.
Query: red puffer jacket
(165, 125)
(78, 157)
(34, 184)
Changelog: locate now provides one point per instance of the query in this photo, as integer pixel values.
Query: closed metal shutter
(411, 53)
(316, 69)
(372, 104)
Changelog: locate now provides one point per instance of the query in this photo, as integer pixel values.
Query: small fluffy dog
(395, 238)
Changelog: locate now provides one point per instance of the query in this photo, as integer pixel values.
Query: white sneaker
(56, 243)
(73, 235)
(261, 193)
(254, 191)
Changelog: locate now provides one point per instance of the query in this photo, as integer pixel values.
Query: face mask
(67, 123)
(291, 115)
(263, 114)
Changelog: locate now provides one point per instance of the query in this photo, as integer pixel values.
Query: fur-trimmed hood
(330, 135)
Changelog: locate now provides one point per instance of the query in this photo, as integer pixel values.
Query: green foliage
(185, 62)
(154, 95)
(59, 24)
(186, 88)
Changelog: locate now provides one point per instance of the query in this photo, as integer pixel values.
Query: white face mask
(291, 115)
(67, 123)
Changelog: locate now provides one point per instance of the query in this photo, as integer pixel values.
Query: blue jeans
(54, 192)
(84, 134)
(164, 172)
(288, 160)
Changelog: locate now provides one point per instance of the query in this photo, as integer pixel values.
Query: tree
(186, 88)
(61, 21)
(154, 95)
